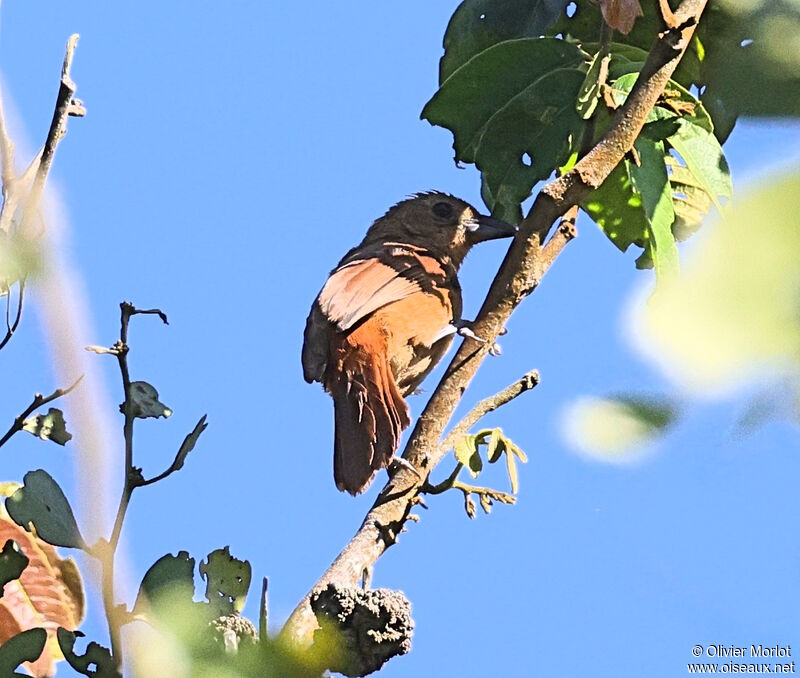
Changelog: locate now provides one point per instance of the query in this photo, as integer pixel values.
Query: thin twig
(12, 327)
(525, 383)
(36, 403)
(666, 13)
(520, 273)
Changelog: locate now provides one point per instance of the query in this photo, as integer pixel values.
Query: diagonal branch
(520, 273)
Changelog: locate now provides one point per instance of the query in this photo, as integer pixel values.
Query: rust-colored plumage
(382, 321)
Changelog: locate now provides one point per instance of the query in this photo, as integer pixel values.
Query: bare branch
(36, 403)
(524, 383)
(65, 106)
(521, 271)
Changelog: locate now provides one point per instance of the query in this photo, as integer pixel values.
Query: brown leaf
(48, 594)
(620, 14)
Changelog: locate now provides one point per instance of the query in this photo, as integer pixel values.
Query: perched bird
(382, 321)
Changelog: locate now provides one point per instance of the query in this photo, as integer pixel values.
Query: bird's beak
(490, 228)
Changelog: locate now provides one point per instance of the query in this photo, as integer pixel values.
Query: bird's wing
(361, 287)
(363, 283)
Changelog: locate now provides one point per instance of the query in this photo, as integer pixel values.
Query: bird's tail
(370, 415)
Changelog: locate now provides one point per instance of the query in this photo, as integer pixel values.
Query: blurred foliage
(615, 429)
(734, 315)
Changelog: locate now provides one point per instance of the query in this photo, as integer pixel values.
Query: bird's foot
(397, 463)
(464, 329)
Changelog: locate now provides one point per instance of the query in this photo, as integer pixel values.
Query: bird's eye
(443, 210)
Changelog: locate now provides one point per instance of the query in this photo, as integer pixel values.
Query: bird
(383, 319)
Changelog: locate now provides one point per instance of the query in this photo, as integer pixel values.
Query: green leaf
(466, 452)
(592, 84)
(50, 426)
(499, 445)
(227, 581)
(476, 25)
(631, 206)
(42, 502)
(512, 113)
(496, 445)
(651, 182)
(511, 467)
(96, 661)
(702, 153)
(24, 647)
(617, 209)
(169, 575)
(189, 442)
(145, 403)
(12, 562)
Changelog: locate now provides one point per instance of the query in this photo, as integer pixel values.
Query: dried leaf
(621, 14)
(47, 594)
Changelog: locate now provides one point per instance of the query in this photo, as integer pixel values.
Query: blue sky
(230, 155)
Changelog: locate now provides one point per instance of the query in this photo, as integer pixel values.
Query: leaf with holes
(25, 647)
(511, 110)
(476, 25)
(96, 661)
(466, 453)
(50, 426)
(227, 581)
(41, 502)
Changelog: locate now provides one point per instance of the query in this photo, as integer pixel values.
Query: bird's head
(439, 222)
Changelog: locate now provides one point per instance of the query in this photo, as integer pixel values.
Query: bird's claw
(466, 331)
(397, 463)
